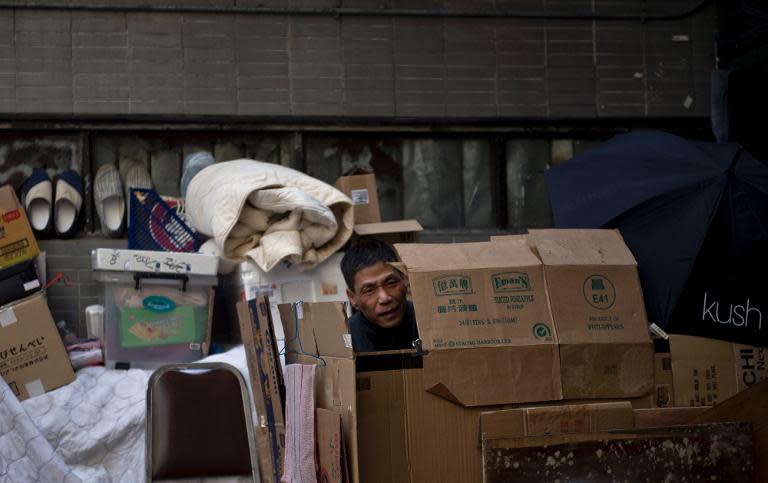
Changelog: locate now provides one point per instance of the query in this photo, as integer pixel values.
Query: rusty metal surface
(715, 452)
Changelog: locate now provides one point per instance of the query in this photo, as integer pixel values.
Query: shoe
(109, 200)
(193, 164)
(67, 203)
(137, 177)
(37, 198)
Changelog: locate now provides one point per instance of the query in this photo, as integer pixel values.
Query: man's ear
(351, 297)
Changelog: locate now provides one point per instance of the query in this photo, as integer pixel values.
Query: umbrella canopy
(694, 214)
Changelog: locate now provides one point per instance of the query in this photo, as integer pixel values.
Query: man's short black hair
(364, 253)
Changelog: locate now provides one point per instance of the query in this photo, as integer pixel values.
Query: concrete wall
(117, 63)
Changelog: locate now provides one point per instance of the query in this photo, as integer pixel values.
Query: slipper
(193, 164)
(136, 177)
(109, 201)
(68, 203)
(37, 198)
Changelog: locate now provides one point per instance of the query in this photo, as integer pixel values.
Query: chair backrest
(199, 423)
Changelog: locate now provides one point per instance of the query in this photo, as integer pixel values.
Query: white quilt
(91, 430)
(267, 213)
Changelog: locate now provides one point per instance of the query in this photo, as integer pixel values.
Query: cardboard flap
(581, 247)
(322, 330)
(335, 390)
(554, 420)
(398, 226)
(498, 375)
(357, 171)
(423, 257)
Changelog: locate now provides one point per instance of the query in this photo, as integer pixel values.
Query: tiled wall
(72, 258)
(115, 63)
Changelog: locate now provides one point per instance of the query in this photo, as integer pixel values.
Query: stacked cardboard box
(360, 186)
(485, 316)
(318, 333)
(706, 372)
(32, 355)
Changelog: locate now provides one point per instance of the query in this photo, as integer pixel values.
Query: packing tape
(31, 285)
(659, 331)
(347, 340)
(35, 388)
(7, 317)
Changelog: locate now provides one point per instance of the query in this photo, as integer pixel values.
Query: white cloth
(91, 430)
(299, 424)
(266, 213)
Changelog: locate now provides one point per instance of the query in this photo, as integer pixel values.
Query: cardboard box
(482, 315)
(400, 231)
(409, 435)
(361, 188)
(708, 371)
(317, 333)
(266, 379)
(594, 292)
(329, 446)
(17, 242)
(553, 420)
(406, 434)
(32, 356)
(663, 393)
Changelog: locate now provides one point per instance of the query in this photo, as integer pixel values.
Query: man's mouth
(388, 313)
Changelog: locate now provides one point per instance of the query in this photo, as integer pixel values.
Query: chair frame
(202, 366)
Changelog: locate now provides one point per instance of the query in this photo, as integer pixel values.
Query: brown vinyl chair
(199, 423)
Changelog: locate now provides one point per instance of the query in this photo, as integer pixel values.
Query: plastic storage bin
(157, 306)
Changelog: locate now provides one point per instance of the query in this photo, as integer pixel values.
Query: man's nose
(384, 296)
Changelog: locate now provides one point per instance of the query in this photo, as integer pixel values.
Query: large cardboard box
(256, 331)
(409, 435)
(599, 315)
(32, 356)
(17, 242)
(317, 333)
(482, 315)
(361, 188)
(406, 434)
(706, 372)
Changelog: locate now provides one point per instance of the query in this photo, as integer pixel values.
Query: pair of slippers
(110, 199)
(53, 206)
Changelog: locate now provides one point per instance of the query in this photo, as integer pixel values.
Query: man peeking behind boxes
(384, 319)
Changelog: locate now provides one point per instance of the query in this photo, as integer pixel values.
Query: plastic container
(157, 306)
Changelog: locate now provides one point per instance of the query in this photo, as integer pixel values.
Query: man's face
(379, 293)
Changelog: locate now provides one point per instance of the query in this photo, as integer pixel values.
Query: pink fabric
(300, 424)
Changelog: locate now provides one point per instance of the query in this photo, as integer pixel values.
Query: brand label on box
(11, 215)
(511, 282)
(452, 285)
(360, 197)
(142, 327)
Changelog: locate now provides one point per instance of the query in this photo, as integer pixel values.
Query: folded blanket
(267, 213)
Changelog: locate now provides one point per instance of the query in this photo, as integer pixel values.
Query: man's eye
(391, 282)
(367, 291)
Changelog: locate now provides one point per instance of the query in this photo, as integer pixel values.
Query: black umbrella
(694, 214)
